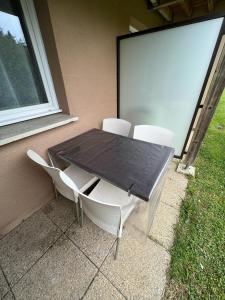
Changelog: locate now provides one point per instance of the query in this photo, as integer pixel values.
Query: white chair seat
(112, 195)
(108, 207)
(68, 182)
(82, 178)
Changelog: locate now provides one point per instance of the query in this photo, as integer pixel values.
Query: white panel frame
(171, 26)
(34, 111)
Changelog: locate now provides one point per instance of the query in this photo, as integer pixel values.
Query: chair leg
(56, 192)
(81, 217)
(117, 248)
(77, 211)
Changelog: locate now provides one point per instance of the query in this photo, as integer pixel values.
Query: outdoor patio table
(135, 166)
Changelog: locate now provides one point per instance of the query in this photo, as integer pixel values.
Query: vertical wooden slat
(186, 7)
(167, 13)
(212, 97)
(210, 5)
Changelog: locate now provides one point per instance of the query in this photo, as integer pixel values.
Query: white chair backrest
(62, 182)
(106, 216)
(117, 126)
(153, 134)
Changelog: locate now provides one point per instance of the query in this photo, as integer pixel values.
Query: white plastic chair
(68, 181)
(108, 207)
(153, 134)
(117, 126)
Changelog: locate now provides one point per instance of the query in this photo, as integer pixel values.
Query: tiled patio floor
(49, 256)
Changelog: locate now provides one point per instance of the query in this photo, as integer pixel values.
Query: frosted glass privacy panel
(162, 73)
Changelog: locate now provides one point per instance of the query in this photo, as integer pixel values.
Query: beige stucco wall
(85, 38)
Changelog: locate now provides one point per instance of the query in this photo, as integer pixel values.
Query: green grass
(198, 256)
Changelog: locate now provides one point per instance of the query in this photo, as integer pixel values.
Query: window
(26, 87)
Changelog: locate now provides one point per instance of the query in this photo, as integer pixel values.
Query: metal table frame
(154, 196)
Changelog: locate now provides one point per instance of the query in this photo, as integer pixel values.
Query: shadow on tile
(23, 246)
(61, 212)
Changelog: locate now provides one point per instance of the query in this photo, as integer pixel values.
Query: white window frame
(34, 111)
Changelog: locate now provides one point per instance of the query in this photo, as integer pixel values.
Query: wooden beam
(167, 13)
(210, 5)
(214, 92)
(186, 7)
(163, 9)
(196, 4)
(166, 4)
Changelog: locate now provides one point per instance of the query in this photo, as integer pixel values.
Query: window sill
(18, 131)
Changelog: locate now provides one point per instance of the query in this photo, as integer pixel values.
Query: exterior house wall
(80, 40)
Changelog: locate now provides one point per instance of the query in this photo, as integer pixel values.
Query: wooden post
(167, 13)
(210, 5)
(212, 98)
(163, 9)
(186, 6)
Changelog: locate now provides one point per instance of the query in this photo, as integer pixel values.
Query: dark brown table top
(130, 164)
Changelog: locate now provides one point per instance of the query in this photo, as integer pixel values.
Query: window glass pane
(20, 80)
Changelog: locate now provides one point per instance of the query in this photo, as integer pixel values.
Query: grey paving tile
(140, 269)
(139, 217)
(171, 197)
(61, 212)
(167, 211)
(4, 288)
(25, 244)
(162, 228)
(102, 289)
(92, 240)
(173, 164)
(8, 296)
(62, 273)
(174, 189)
